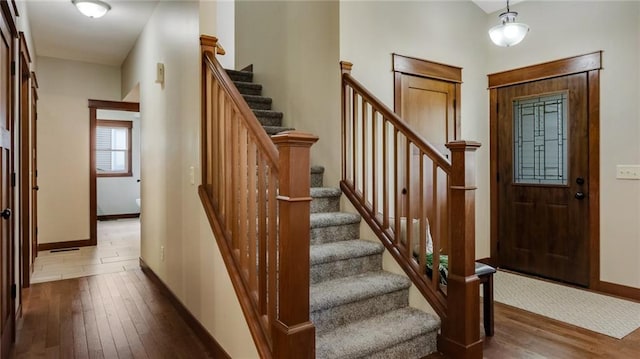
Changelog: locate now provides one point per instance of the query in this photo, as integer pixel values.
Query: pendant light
(92, 8)
(508, 32)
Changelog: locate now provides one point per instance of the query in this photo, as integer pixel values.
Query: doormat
(599, 313)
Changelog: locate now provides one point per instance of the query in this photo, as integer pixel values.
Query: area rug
(599, 313)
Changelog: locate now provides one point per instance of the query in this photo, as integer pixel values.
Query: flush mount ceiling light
(509, 32)
(92, 8)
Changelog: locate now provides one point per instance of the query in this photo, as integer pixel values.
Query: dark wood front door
(543, 172)
(7, 278)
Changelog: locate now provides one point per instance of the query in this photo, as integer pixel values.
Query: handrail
(419, 205)
(255, 192)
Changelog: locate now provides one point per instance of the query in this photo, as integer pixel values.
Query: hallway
(114, 315)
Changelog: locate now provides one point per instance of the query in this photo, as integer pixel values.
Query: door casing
(590, 64)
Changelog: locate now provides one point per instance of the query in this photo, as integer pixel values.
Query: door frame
(94, 106)
(24, 165)
(590, 64)
(428, 69)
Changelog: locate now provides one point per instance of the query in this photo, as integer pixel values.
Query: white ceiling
(490, 6)
(59, 30)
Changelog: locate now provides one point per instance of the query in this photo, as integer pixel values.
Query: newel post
(460, 336)
(293, 332)
(210, 44)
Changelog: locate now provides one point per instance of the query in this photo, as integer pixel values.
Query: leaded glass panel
(540, 139)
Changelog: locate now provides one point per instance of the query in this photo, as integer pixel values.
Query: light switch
(192, 175)
(628, 172)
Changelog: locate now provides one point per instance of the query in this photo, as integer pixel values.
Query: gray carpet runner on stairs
(359, 310)
(261, 105)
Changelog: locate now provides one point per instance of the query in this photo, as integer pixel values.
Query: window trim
(123, 124)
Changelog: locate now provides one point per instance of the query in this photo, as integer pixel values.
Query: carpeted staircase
(359, 310)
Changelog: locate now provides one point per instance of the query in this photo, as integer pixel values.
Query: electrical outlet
(628, 172)
(162, 253)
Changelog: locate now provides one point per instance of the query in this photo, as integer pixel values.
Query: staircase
(358, 309)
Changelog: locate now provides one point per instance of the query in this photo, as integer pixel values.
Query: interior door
(7, 278)
(429, 107)
(543, 167)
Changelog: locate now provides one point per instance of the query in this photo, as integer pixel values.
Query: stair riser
(345, 268)
(335, 233)
(418, 347)
(325, 204)
(316, 179)
(270, 121)
(249, 90)
(242, 77)
(259, 105)
(334, 317)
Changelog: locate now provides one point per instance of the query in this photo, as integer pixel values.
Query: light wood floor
(118, 249)
(116, 315)
(521, 334)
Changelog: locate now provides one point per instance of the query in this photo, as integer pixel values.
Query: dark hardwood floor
(119, 315)
(521, 334)
(124, 315)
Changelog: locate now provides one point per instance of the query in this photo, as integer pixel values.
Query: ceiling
(59, 30)
(490, 6)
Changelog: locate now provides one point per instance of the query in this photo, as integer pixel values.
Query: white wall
(117, 195)
(371, 31)
(172, 215)
(294, 49)
(63, 143)
(563, 29)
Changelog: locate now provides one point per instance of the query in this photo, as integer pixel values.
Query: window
(113, 148)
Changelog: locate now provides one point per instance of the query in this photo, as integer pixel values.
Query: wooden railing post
(210, 44)
(460, 336)
(293, 332)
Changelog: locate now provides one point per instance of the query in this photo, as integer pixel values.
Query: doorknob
(6, 213)
(36, 188)
(580, 195)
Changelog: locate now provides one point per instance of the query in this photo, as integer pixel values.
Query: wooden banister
(407, 191)
(256, 197)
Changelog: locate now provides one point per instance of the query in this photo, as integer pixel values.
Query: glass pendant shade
(92, 8)
(508, 32)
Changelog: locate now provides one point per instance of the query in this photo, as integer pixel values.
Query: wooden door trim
(94, 106)
(428, 69)
(24, 165)
(546, 70)
(591, 65)
(425, 68)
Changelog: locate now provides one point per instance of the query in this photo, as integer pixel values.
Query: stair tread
(256, 98)
(368, 336)
(267, 113)
(320, 220)
(335, 251)
(247, 84)
(321, 192)
(273, 130)
(345, 290)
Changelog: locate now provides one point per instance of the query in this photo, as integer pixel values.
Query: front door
(7, 278)
(543, 172)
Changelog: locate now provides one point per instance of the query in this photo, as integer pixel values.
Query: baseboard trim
(19, 311)
(64, 245)
(210, 343)
(618, 290)
(112, 217)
